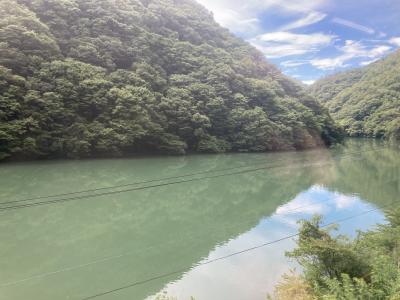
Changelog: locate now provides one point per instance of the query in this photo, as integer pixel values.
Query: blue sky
(308, 39)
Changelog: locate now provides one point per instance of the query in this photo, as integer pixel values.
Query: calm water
(85, 246)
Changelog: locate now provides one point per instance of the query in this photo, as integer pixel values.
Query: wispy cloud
(282, 43)
(302, 204)
(342, 201)
(293, 63)
(351, 50)
(308, 82)
(329, 63)
(395, 41)
(243, 16)
(368, 62)
(381, 35)
(353, 25)
(311, 18)
(233, 15)
(278, 29)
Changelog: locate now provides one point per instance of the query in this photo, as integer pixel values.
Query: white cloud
(308, 82)
(242, 16)
(329, 63)
(236, 21)
(301, 205)
(343, 201)
(235, 15)
(298, 5)
(282, 43)
(353, 25)
(293, 63)
(311, 18)
(381, 35)
(395, 41)
(350, 50)
(367, 62)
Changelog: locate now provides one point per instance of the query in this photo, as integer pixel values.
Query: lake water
(74, 246)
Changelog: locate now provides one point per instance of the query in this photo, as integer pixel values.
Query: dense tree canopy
(336, 267)
(109, 77)
(365, 101)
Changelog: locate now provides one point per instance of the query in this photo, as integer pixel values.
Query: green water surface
(74, 246)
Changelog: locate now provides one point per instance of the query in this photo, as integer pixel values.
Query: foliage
(92, 78)
(293, 287)
(365, 101)
(164, 296)
(367, 267)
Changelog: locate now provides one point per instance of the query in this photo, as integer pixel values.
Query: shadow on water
(75, 249)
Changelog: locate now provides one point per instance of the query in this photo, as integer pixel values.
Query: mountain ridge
(365, 101)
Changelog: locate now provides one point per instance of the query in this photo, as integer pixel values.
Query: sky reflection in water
(77, 249)
(229, 279)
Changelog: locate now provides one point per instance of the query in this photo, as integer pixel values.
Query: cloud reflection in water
(253, 274)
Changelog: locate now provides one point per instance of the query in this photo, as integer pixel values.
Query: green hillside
(83, 78)
(365, 101)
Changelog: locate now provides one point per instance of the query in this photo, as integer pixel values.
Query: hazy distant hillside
(109, 77)
(365, 101)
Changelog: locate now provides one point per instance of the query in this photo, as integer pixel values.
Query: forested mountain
(111, 77)
(327, 88)
(365, 101)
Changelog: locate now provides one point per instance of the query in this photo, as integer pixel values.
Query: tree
(142, 76)
(340, 268)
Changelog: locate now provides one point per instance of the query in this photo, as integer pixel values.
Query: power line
(108, 258)
(226, 256)
(61, 200)
(246, 250)
(133, 183)
(154, 180)
(121, 255)
(145, 187)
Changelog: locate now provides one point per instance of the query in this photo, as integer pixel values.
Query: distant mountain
(83, 78)
(365, 101)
